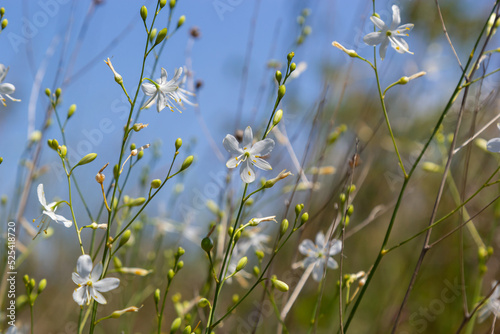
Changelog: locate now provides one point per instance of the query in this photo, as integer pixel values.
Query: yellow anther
(249, 173)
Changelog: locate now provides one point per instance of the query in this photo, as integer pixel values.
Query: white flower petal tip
(165, 93)
(50, 209)
(89, 284)
(248, 154)
(392, 34)
(6, 88)
(319, 254)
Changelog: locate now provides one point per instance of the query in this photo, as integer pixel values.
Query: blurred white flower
(493, 145)
(492, 306)
(164, 92)
(89, 284)
(390, 34)
(254, 239)
(50, 209)
(6, 88)
(249, 155)
(319, 253)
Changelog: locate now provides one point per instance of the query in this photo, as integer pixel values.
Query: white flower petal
(374, 38)
(310, 260)
(96, 272)
(403, 29)
(396, 18)
(84, 266)
(161, 102)
(399, 44)
(307, 247)
(320, 241)
(177, 74)
(80, 295)
(164, 76)
(3, 72)
(149, 102)
(336, 247)
(107, 284)
(148, 88)
(261, 163)
(318, 270)
(247, 138)
(7, 88)
(77, 279)
(41, 195)
(378, 23)
(60, 219)
(383, 48)
(98, 297)
(493, 145)
(332, 264)
(232, 146)
(247, 172)
(262, 148)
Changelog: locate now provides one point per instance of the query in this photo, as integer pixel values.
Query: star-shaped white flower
(492, 306)
(248, 155)
(89, 284)
(50, 209)
(6, 88)
(167, 93)
(493, 145)
(319, 253)
(392, 34)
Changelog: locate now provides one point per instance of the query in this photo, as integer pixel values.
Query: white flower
(493, 145)
(253, 239)
(319, 253)
(390, 34)
(249, 155)
(492, 306)
(89, 285)
(50, 209)
(166, 91)
(6, 88)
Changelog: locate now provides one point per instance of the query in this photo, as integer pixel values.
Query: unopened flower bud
(172, 4)
(293, 67)
(152, 34)
(176, 324)
(48, 92)
(207, 244)
(280, 285)
(87, 159)
(283, 227)
(187, 162)
(42, 285)
(161, 36)
(278, 77)
(71, 110)
(304, 218)
(178, 144)
(157, 296)
(241, 263)
(125, 238)
(307, 30)
(181, 21)
(5, 22)
(203, 302)
(281, 91)
(350, 53)
(256, 271)
(58, 92)
(260, 254)
(32, 283)
(277, 117)
(298, 208)
(350, 210)
(290, 56)
(63, 150)
(117, 262)
(156, 183)
(144, 13)
(170, 274)
(187, 330)
(119, 313)
(431, 167)
(139, 126)
(26, 279)
(180, 265)
(163, 3)
(2, 11)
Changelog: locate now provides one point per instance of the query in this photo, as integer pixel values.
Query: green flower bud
(32, 283)
(152, 34)
(117, 262)
(26, 279)
(180, 265)
(2, 12)
(187, 330)
(42, 285)
(351, 188)
(5, 22)
(298, 208)
(304, 218)
(156, 183)
(4, 198)
(237, 236)
(172, 4)
(281, 91)
(180, 252)
(277, 117)
(1, 160)
(290, 56)
(350, 210)
(137, 201)
(119, 313)
(187, 162)
(293, 67)
(64, 150)
(176, 324)
(342, 198)
(284, 227)
(71, 110)
(144, 13)
(58, 92)
(256, 271)
(133, 146)
(181, 21)
(307, 30)
(178, 144)
(125, 238)
(157, 296)
(163, 3)
(241, 263)
(203, 302)
(161, 36)
(280, 285)
(207, 244)
(170, 274)
(116, 171)
(86, 159)
(301, 20)
(140, 155)
(278, 77)
(260, 254)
